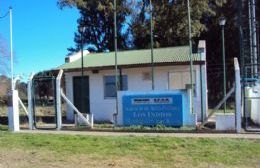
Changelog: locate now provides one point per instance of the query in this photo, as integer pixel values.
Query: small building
(171, 72)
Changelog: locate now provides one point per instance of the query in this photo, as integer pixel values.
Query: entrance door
(81, 93)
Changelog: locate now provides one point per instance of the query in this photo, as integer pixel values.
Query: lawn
(37, 150)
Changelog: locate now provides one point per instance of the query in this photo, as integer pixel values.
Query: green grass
(149, 151)
(3, 128)
(157, 128)
(140, 128)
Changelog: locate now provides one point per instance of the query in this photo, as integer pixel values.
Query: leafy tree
(98, 16)
(170, 22)
(170, 19)
(170, 29)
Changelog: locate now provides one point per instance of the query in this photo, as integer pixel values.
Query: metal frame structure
(236, 89)
(238, 102)
(249, 81)
(249, 52)
(59, 95)
(30, 102)
(43, 77)
(58, 100)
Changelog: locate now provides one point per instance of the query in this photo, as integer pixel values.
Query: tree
(214, 56)
(97, 16)
(5, 82)
(171, 29)
(5, 86)
(170, 22)
(22, 89)
(4, 57)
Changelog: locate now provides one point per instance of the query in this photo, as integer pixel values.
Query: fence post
(13, 111)
(92, 121)
(30, 103)
(238, 95)
(58, 100)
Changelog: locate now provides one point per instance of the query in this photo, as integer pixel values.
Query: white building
(171, 71)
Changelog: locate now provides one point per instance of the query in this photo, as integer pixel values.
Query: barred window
(110, 87)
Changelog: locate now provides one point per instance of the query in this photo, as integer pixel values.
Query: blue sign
(153, 109)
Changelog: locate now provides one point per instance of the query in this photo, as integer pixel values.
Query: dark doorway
(80, 92)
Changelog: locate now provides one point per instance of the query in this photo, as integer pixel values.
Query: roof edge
(136, 66)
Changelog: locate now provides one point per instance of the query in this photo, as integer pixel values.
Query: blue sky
(41, 33)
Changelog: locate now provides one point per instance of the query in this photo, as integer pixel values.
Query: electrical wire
(1, 17)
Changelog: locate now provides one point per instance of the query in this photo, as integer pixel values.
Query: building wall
(104, 108)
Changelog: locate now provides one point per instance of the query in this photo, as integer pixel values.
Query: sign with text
(153, 109)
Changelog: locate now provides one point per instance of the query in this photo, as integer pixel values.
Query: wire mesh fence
(215, 82)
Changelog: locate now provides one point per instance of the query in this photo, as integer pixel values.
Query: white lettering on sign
(152, 101)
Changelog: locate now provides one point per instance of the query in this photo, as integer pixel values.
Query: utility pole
(191, 59)
(151, 34)
(116, 66)
(115, 38)
(82, 30)
(11, 48)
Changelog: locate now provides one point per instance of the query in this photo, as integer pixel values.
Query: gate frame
(238, 100)
(238, 113)
(31, 103)
(88, 120)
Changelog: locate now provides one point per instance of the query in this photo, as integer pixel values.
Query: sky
(42, 32)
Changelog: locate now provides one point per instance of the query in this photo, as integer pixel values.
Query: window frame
(113, 76)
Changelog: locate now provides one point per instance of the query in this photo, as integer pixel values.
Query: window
(110, 88)
(180, 80)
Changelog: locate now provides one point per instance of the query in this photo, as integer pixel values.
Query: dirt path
(194, 135)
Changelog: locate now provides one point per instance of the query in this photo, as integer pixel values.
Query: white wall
(104, 108)
(99, 106)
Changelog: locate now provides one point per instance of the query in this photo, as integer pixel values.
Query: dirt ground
(25, 159)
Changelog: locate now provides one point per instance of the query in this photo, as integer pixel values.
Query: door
(81, 93)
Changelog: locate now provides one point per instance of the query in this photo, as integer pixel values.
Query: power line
(1, 17)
